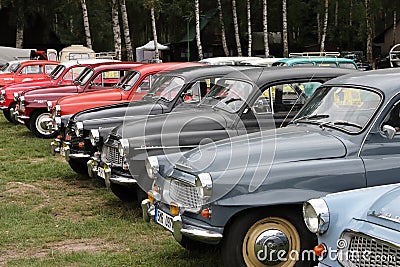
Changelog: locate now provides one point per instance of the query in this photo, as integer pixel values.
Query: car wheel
(256, 239)
(6, 113)
(126, 194)
(38, 124)
(79, 166)
(196, 246)
(10, 111)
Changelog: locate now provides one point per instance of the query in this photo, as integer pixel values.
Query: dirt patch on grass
(61, 247)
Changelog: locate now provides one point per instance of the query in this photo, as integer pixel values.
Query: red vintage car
(132, 87)
(64, 73)
(32, 106)
(28, 70)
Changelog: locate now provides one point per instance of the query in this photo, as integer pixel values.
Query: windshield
(229, 95)
(346, 108)
(86, 74)
(4, 68)
(14, 67)
(57, 72)
(128, 80)
(167, 87)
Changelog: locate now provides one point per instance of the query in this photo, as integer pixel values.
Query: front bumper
(64, 148)
(99, 169)
(199, 232)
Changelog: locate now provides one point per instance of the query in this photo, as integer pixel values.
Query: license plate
(101, 173)
(164, 219)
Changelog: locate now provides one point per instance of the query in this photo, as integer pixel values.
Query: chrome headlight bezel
(2, 95)
(316, 215)
(204, 181)
(152, 166)
(94, 137)
(78, 128)
(15, 94)
(123, 147)
(49, 105)
(58, 111)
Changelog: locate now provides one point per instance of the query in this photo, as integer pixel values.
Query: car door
(105, 80)
(380, 153)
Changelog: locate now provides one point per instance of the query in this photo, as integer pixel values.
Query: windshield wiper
(312, 117)
(344, 123)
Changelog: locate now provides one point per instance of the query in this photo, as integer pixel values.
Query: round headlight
(123, 147)
(78, 128)
(49, 105)
(316, 215)
(152, 166)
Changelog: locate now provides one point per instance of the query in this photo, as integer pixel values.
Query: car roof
(121, 64)
(261, 76)
(165, 66)
(34, 62)
(190, 73)
(86, 62)
(386, 80)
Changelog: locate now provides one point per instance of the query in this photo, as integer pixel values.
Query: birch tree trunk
(319, 27)
(285, 30)
(221, 22)
(198, 40)
(336, 12)
(394, 26)
(153, 25)
(323, 37)
(369, 30)
(249, 28)
(116, 29)
(19, 38)
(265, 28)
(351, 14)
(125, 26)
(236, 27)
(86, 24)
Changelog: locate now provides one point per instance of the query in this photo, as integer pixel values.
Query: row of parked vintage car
(246, 158)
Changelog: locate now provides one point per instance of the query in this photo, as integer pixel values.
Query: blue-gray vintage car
(246, 193)
(357, 228)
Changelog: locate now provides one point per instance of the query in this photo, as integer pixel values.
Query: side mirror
(389, 131)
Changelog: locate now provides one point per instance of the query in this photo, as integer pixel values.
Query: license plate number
(101, 173)
(164, 219)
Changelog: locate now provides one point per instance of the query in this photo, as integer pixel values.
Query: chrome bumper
(3, 107)
(55, 146)
(93, 167)
(181, 229)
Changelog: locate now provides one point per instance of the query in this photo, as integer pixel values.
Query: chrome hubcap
(271, 247)
(42, 123)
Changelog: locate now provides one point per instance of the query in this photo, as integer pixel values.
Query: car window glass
(32, 69)
(147, 82)
(167, 87)
(106, 79)
(49, 68)
(287, 97)
(392, 118)
(303, 64)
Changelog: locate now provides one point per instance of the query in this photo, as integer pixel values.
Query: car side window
(287, 97)
(147, 82)
(49, 68)
(106, 79)
(392, 119)
(33, 69)
(263, 103)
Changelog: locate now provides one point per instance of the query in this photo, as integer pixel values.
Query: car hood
(118, 114)
(171, 129)
(276, 146)
(109, 95)
(385, 210)
(50, 93)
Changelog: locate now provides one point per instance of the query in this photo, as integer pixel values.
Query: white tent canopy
(147, 51)
(11, 53)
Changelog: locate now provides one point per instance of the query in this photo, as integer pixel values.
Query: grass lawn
(50, 216)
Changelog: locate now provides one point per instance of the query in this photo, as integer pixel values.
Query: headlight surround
(15, 96)
(49, 105)
(58, 111)
(94, 137)
(22, 103)
(316, 215)
(3, 95)
(123, 147)
(204, 181)
(152, 167)
(78, 128)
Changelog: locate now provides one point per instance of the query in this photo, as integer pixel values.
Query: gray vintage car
(242, 102)
(246, 193)
(356, 227)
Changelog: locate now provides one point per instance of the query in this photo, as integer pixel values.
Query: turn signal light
(320, 250)
(174, 209)
(150, 196)
(155, 188)
(67, 137)
(81, 144)
(206, 213)
(59, 137)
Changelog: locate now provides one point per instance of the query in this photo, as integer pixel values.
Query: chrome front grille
(367, 251)
(113, 156)
(185, 195)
